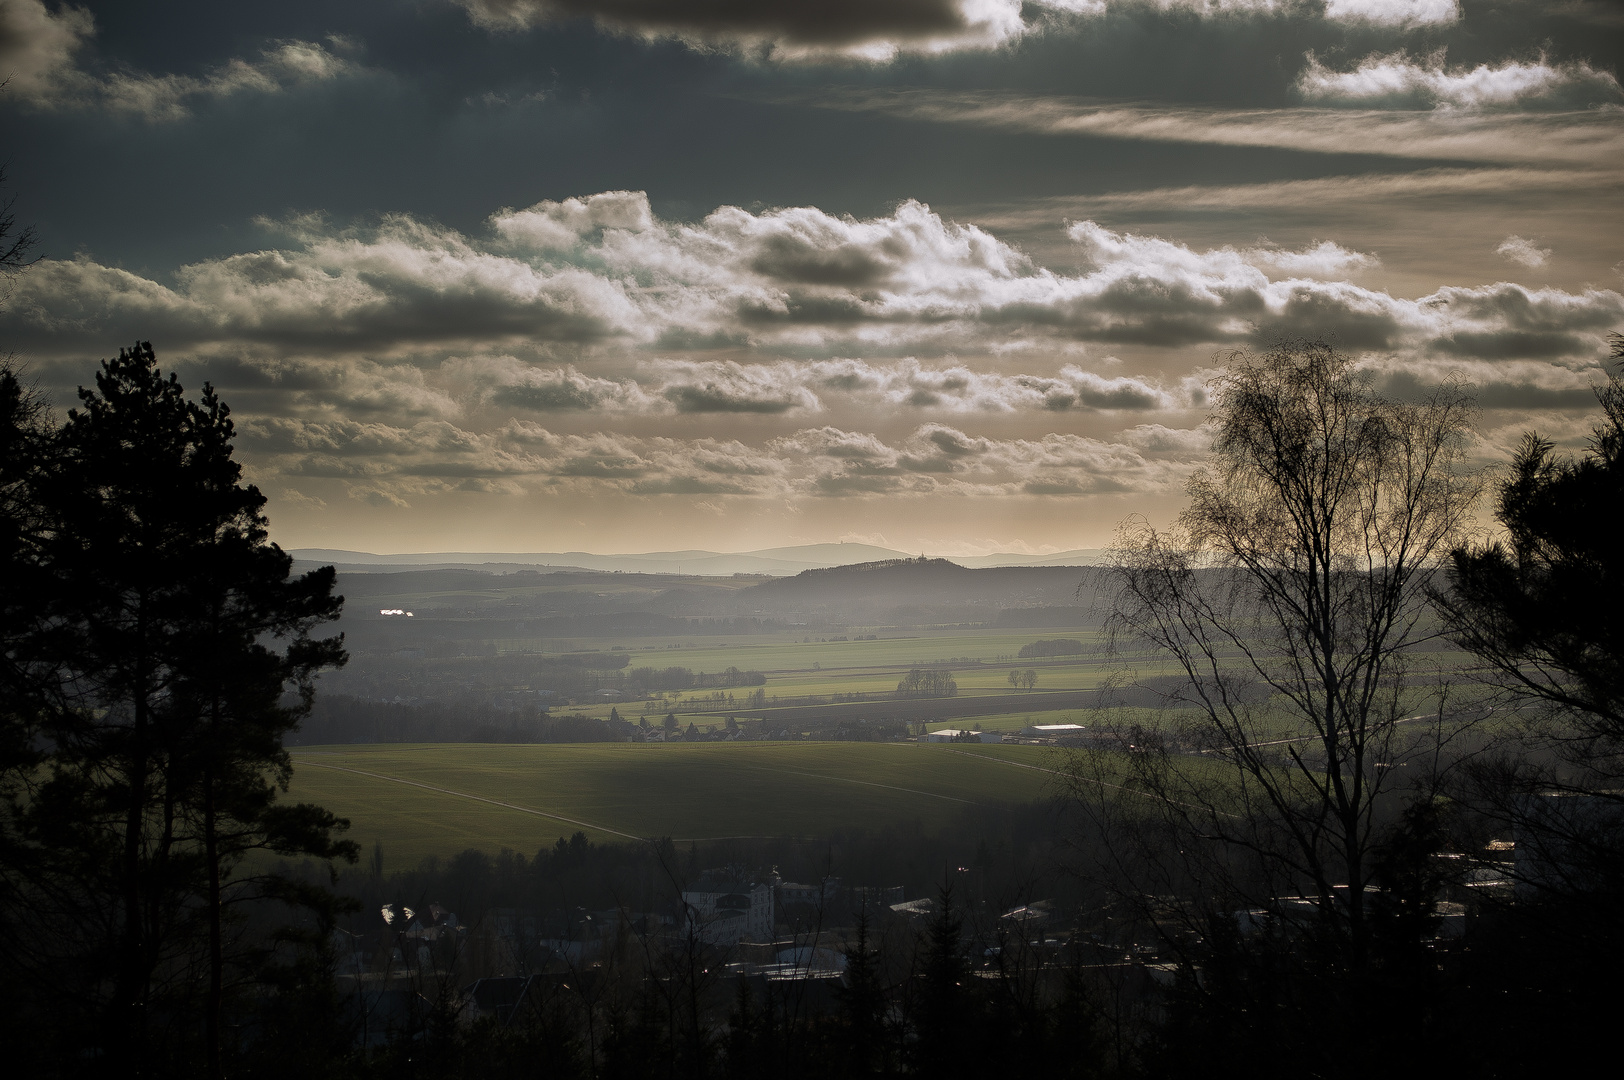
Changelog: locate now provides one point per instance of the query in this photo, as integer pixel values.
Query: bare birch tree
(1290, 600)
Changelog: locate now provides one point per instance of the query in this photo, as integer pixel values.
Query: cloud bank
(879, 31)
(664, 387)
(782, 30)
(602, 276)
(396, 463)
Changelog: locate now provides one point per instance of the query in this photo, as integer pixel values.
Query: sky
(950, 276)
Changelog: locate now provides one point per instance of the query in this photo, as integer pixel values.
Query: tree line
(927, 683)
(344, 718)
(681, 678)
(1051, 647)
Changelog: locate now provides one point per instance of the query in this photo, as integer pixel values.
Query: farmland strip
(864, 783)
(475, 798)
(1088, 779)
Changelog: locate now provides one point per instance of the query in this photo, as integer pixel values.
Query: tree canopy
(1544, 607)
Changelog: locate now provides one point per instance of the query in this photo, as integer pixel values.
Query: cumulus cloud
(878, 31)
(875, 30)
(510, 383)
(1507, 321)
(909, 384)
(732, 387)
(1520, 250)
(1386, 13)
(1398, 79)
(40, 52)
(37, 45)
(1402, 13)
(283, 65)
(605, 273)
(665, 386)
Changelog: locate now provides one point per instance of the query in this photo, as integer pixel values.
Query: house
(725, 907)
(921, 908)
(1029, 918)
(876, 895)
(790, 892)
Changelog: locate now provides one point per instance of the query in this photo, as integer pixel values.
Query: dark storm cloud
(710, 398)
(1522, 389)
(555, 396)
(1511, 344)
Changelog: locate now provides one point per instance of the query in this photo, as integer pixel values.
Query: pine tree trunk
(130, 988)
(211, 850)
(211, 1020)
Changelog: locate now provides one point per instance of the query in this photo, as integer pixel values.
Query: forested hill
(932, 583)
(460, 602)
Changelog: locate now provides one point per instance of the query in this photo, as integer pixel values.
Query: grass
(617, 791)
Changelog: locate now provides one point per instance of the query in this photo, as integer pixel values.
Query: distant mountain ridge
(776, 562)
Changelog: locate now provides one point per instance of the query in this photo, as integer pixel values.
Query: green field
(630, 790)
(786, 653)
(796, 670)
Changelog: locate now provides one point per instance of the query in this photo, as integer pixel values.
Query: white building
(1051, 731)
(954, 735)
(725, 910)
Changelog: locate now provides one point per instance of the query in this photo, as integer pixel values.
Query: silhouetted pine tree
(944, 1007)
(176, 635)
(863, 1007)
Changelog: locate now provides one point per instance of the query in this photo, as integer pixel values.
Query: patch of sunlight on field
(927, 646)
(1015, 721)
(611, 791)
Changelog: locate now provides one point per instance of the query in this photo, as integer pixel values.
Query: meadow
(441, 799)
(980, 661)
